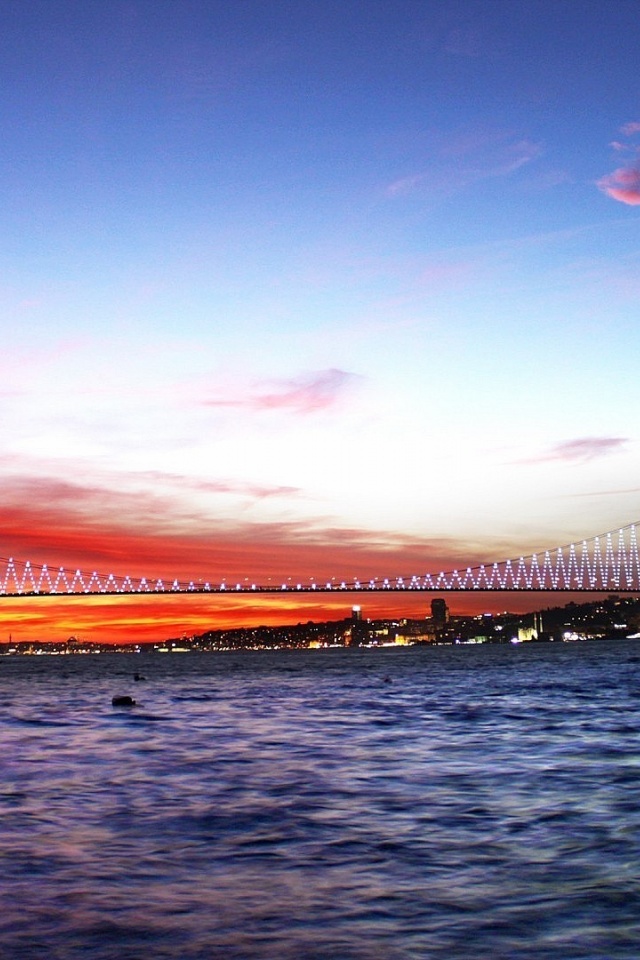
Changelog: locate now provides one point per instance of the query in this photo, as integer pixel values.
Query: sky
(344, 288)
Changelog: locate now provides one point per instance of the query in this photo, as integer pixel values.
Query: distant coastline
(612, 618)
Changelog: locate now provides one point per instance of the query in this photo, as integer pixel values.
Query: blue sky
(327, 277)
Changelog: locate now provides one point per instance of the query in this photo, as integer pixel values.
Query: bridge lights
(601, 563)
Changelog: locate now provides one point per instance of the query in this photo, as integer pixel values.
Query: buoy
(123, 702)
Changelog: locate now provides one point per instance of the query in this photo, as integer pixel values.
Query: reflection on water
(344, 804)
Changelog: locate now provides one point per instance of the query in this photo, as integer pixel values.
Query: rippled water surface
(352, 804)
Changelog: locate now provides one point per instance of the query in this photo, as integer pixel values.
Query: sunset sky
(324, 288)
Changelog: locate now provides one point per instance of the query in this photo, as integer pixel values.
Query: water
(305, 805)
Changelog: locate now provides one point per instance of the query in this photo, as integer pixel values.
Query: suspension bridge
(607, 563)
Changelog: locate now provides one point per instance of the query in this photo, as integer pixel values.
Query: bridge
(608, 563)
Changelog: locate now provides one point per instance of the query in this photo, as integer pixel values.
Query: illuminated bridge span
(606, 563)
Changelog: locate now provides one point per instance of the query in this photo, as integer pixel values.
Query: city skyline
(332, 290)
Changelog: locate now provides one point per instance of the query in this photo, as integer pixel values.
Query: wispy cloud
(518, 154)
(617, 492)
(628, 129)
(580, 449)
(302, 395)
(257, 491)
(405, 184)
(488, 156)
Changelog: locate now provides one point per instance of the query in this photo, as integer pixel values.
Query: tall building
(359, 627)
(439, 613)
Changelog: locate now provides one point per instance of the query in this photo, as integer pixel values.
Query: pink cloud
(304, 395)
(253, 490)
(620, 147)
(581, 449)
(628, 129)
(623, 185)
(258, 491)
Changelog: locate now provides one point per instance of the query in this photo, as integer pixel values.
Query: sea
(454, 803)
